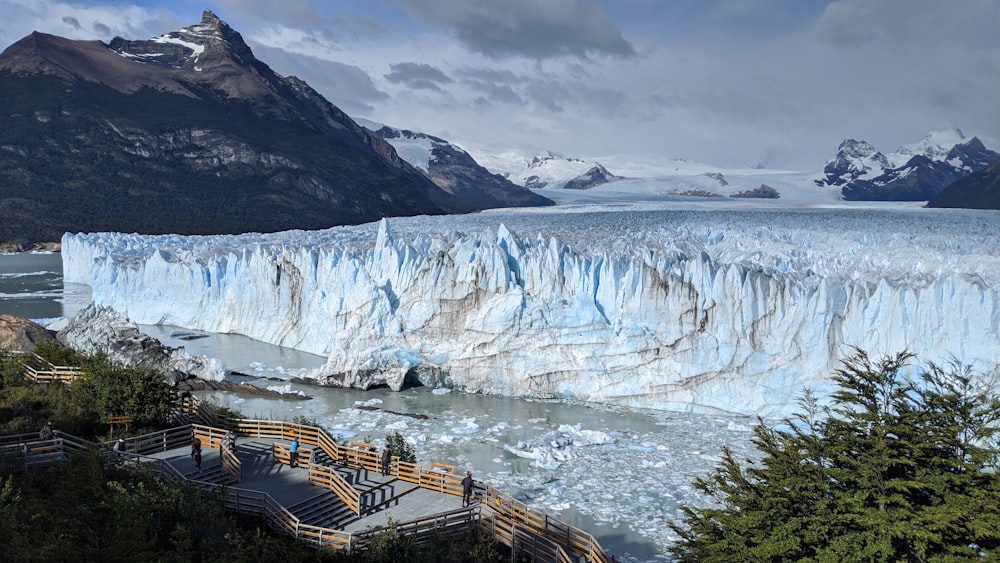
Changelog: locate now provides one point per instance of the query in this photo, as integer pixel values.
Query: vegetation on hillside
(105, 389)
(899, 468)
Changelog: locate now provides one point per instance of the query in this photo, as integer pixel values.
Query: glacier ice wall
(705, 311)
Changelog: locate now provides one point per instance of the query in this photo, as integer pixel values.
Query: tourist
(195, 446)
(467, 484)
(386, 460)
(46, 433)
(119, 448)
(293, 453)
(197, 460)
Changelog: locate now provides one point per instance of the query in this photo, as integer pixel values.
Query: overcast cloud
(728, 82)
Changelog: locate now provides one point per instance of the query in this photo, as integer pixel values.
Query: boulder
(101, 329)
(20, 335)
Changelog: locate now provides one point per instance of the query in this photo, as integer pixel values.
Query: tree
(400, 448)
(110, 389)
(898, 467)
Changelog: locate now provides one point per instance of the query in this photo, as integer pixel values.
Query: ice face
(692, 310)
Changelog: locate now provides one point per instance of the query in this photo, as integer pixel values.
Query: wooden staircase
(325, 510)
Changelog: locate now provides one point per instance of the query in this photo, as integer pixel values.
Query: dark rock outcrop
(596, 176)
(764, 191)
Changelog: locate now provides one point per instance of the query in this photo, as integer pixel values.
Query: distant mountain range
(913, 173)
(189, 133)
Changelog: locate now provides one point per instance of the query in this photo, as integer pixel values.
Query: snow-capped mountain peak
(935, 146)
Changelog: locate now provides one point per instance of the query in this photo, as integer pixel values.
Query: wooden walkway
(385, 497)
(335, 498)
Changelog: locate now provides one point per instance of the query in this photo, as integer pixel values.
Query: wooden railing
(40, 370)
(212, 437)
(510, 515)
(329, 479)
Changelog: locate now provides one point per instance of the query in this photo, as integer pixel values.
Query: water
(624, 489)
(31, 285)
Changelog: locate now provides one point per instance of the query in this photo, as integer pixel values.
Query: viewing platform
(337, 496)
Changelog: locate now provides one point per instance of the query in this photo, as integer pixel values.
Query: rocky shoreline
(198, 384)
(27, 247)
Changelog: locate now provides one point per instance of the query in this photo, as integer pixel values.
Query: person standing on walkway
(46, 433)
(467, 484)
(293, 453)
(386, 460)
(197, 459)
(195, 446)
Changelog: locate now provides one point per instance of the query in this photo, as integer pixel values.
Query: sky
(732, 83)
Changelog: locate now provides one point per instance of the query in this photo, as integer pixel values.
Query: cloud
(419, 76)
(346, 86)
(71, 21)
(528, 28)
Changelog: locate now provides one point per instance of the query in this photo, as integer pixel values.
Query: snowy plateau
(695, 308)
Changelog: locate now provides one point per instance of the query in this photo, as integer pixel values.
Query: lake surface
(620, 474)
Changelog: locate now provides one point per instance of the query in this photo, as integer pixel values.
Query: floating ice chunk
(441, 391)
(259, 366)
(637, 448)
(547, 465)
(284, 390)
(737, 427)
(468, 426)
(535, 420)
(341, 433)
(368, 403)
(397, 425)
(579, 470)
(446, 439)
(560, 506)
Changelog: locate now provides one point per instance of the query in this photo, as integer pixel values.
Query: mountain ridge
(916, 172)
(188, 133)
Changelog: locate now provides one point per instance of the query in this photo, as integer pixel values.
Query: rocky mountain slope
(977, 191)
(187, 133)
(912, 173)
(454, 170)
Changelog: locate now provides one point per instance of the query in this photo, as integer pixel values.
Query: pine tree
(896, 468)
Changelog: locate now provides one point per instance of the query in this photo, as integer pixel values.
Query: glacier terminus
(705, 309)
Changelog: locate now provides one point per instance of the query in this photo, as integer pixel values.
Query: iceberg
(691, 310)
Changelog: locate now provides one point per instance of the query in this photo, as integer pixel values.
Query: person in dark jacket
(386, 460)
(467, 485)
(46, 433)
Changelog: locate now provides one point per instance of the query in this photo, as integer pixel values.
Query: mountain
(915, 172)
(554, 171)
(454, 170)
(187, 133)
(977, 191)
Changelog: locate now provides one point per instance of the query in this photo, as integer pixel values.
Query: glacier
(709, 310)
